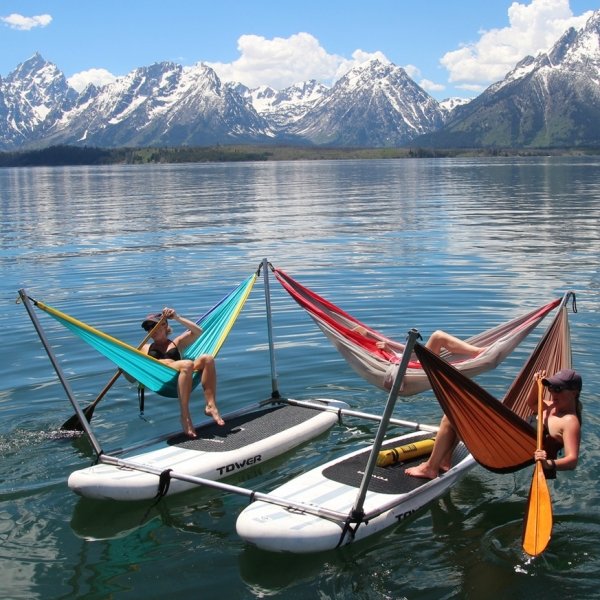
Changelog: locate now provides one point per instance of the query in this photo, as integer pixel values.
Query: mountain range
(550, 101)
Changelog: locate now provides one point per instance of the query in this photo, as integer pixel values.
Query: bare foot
(191, 433)
(212, 411)
(423, 471)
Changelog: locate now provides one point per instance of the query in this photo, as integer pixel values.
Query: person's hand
(169, 313)
(540, 455)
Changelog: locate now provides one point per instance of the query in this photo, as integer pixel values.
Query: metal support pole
(274, 385)
(38, 327)
(357, 510)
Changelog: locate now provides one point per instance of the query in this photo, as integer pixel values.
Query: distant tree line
(55, 156)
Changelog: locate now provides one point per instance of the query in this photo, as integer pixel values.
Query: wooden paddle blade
(537, 528)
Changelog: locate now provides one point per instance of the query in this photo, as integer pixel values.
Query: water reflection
(458, 244)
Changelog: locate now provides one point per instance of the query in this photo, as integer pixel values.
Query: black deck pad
(245, 429)
(385, 480)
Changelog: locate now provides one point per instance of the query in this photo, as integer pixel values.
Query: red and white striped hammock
(357, 342)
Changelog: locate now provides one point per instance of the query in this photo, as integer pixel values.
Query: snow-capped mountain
(164, 104)
(285, 107)
(168, 105)
(29, 96)
(449, 104)
(551, 100)
(374, 104)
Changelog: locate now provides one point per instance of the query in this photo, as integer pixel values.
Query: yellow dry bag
(406, 452)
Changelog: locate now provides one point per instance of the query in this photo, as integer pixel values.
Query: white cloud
(431, 86)
(281, 62)
(412, 71)
(22, 23)
(533, 28)
(98, 77)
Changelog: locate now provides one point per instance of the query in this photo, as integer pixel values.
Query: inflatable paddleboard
(248, 438)
(321, 501)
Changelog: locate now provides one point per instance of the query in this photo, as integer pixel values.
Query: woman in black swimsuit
(170, 351)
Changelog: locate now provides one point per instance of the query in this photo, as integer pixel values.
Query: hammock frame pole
(61, 376)
(274, 384)
(344, 412)
(253, 495)
(357, 512)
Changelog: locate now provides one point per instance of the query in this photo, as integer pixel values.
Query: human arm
(190, 335)
(571, 440)
(532, 399)
(382, 342)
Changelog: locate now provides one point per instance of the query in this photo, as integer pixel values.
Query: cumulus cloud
(429, 86)
(281, 62)
(533, 28)
(98, 77)
(16, 21)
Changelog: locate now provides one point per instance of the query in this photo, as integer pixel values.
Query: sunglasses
(556, 389)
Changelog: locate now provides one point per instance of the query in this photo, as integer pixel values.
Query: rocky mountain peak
(550, 99)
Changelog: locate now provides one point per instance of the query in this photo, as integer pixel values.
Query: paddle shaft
(538, 518)
(540, 424)
(74, 423)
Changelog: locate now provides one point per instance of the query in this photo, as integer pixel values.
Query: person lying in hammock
(170, 352)
(439, 340)
(562, 427)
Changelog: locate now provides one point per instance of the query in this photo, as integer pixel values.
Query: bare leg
(184, 391)
(206, 364)
(445, 440)
(441, 340)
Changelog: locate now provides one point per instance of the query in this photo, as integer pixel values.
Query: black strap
(164, 481)
(351, 524)
(141, 398)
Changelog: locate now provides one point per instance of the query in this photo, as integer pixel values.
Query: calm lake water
(456, 244)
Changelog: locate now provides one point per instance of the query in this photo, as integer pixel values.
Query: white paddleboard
(332, 489)
(248, 438)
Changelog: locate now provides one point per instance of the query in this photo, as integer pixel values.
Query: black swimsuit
(552, 446)
(170, 354)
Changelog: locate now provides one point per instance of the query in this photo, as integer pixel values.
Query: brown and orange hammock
(497, 433)
(357, 342)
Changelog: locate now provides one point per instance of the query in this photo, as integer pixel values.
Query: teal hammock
(148, 371)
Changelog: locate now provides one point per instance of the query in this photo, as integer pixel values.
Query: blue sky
(449, 47)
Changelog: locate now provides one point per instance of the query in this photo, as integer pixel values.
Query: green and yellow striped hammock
(148, 371)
